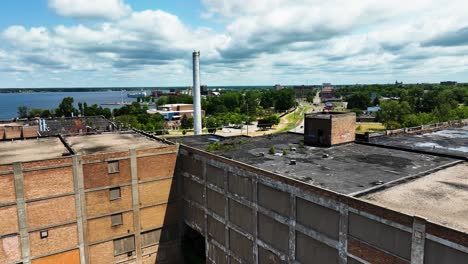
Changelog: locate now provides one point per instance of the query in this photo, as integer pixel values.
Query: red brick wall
(97, 203)
(43, 183)
(29, 131)
(156, 166)
(7, 189)
(12, 132)
(51, 212)
(96, 174)
(101, 253)
(59, 238)
(9, 220)
(343, 129)
(10, 249)
(155, 192)
(101, 228)
(156, 216)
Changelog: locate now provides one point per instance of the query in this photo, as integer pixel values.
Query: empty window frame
(116, 219)
(113, 166)
(124, 245)
(114, 193)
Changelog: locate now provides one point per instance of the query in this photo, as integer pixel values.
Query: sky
(112, 43)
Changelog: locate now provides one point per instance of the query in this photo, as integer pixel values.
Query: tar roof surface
(92, 144)
(441, 197)
(453, 141)
(347, 169)
(31, 149)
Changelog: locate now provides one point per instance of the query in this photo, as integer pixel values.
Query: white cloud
(107, 9)
(262, 42)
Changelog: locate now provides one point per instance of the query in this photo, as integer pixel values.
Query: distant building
(174, 111)
(327, 94)
(448, 83)
(373, 109)
(278, 87)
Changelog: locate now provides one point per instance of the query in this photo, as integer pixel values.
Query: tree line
(410, 105)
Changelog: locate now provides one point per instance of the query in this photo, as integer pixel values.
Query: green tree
(393, 112)
(359, 100)
(285, 99)
(66, 108)
(23, 111)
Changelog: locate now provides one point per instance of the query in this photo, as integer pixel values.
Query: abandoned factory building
(129, 197)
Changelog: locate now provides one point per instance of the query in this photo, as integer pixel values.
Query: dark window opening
(193, 246)
(44, 234)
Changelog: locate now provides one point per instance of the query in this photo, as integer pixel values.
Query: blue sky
(88, 43)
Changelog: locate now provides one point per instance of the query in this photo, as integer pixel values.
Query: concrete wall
(248, 215)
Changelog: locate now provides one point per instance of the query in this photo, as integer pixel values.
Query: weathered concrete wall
(248, 215)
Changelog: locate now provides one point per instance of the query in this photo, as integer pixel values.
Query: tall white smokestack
(197, 125)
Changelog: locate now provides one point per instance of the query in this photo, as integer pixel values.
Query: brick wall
(51, 212)
(96, 174)
(48, 182)
(98, 203)
(8, 220)
(101, 228)
(343, 129)
(7, 189)
(10, 249)
(59, 238)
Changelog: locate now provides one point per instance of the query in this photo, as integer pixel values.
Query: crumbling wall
(248, 215)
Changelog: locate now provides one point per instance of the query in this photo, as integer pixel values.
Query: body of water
(9, 102)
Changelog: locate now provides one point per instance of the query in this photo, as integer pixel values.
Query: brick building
(88, 199)
(329, 128)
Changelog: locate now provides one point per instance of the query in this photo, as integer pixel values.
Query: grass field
(363, 127)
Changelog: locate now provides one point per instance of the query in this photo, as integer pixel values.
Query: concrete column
(205, 205)
(255, 217)
(22, 214)
(418, 240)
(136, 204)
(80, 199)
(226, 215)
(197, 125)
(292, 228)
(343, 234)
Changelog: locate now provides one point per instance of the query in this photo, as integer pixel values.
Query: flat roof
(91, 144)
(441, 197)
(31, 149)
(344, 168)
(452, 141)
